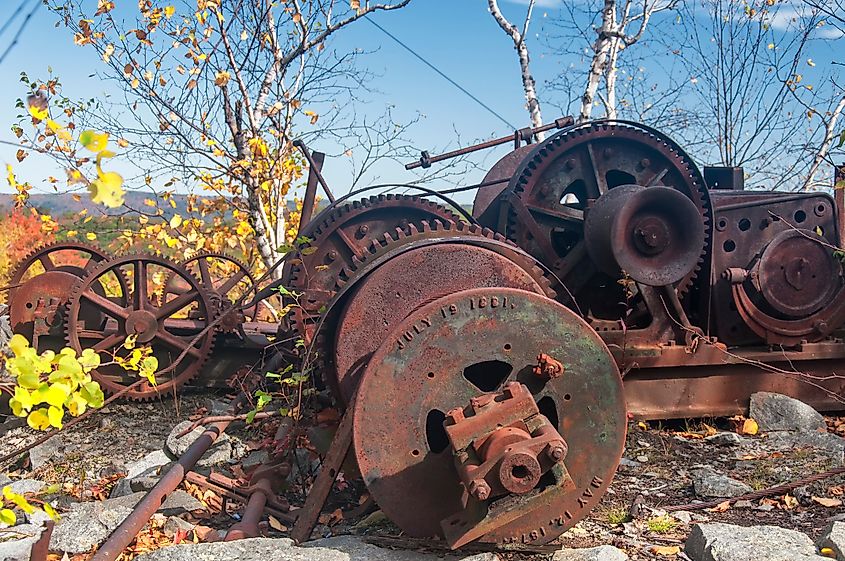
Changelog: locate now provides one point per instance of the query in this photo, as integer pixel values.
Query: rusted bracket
(314, 167)
(41, 548)
(310, 512)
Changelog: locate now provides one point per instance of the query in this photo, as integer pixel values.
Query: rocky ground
(95, 472)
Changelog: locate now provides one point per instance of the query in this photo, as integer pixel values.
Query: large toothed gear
(172, 326)
(404, 271)
(340, 235)
(228, 281)
(48, 273)
(549, 194)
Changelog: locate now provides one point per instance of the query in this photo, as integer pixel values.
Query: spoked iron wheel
(49, 272)
(102, 314)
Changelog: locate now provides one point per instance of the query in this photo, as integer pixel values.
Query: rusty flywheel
(409, 271)
(102, 314)
(490, 414)
(48, 274)
(553, 189)
(340, 236)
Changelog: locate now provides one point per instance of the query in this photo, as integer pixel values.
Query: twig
(218, 418)
(771, 491)
(46, 436)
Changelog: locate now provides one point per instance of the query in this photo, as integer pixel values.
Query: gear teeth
(121, 259)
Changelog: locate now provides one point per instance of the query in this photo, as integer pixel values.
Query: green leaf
(310, 250)
(54, 394)
(841, 139)
(7, 517)
(92, 394)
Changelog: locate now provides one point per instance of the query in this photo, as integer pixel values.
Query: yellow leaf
(38, 113)
(169, 11)
(222, 78)
(50, 511)
(94, 141)
(55, 414)
(107, 189)
(38, 419)
(19, 500)
(18, 344)
(828, 552)
(91, 236)
(829, 503)
(789, 502)
(176, 221)
(750, 427)
(7, 517)
(122, 142)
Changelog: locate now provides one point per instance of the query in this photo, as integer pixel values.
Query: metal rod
(310, 200)
(155, 497)
(839, 199)
(305, 152)
(248, 526)
(524, 134)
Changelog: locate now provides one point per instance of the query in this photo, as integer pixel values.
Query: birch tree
(518, 36)
(623, 24)
(215, 91)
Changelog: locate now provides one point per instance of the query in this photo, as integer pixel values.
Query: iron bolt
(569, 165)
(645, 162)
(403, 223)
(331, 255)
(547, 367)
(363, 229)
(556, 451)
(479, 489)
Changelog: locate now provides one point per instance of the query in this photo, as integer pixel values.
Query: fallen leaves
(666, 550)
(826, 502)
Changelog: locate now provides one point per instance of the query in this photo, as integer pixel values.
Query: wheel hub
(143, 324)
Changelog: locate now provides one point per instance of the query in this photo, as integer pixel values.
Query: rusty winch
(479, 356)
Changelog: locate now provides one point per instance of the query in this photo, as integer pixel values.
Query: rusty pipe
(310, 199)
(155, 497)
(315, 168)
(525, 134)
(248, 526)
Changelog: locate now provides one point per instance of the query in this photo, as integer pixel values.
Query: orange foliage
(21, 231)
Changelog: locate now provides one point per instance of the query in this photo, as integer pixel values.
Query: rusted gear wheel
(340, 236)
(403, 273)
(170, 325)
(48, 272)
(226, 279)
(550, 193)
(446, 356)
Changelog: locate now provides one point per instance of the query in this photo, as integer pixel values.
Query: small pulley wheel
(447, 354)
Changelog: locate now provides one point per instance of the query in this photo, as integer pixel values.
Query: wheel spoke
(169, 308)
(205, 275)
(110, 342)
(563, 213)
(140, 285)
(177, 343)
(657, 177)
(106, 305)
(599, 186)
(46, 262)
(231, 282)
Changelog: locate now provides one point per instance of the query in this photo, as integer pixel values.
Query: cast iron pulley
(102, 314)
(553, 188)
(464, 352)
(654, 236)
(421, 273)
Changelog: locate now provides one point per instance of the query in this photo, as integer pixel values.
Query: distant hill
(64, 204)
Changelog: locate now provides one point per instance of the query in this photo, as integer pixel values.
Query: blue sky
(458, 36)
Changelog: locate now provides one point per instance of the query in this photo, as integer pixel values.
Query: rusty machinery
(482, 358)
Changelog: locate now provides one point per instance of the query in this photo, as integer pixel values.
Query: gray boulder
(725, 439)
(709, 483)
(88, 524)
(48, 451)
(601, 553)
(23, 486)
(151, 461)
(776, 412)
(726, 542)
(16, 543)
(340, 548)
(833, 537)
